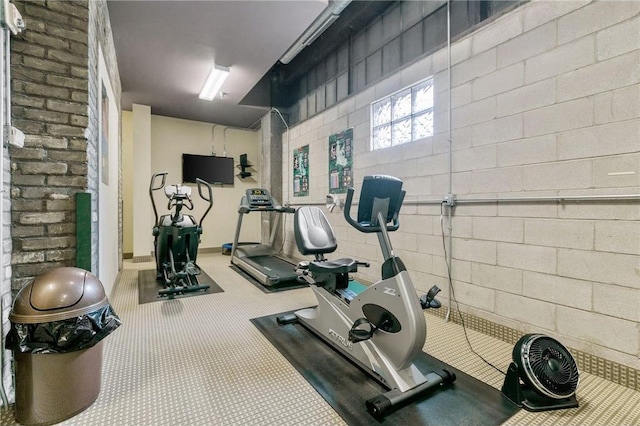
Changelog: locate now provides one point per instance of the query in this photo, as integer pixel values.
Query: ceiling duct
(322, 22)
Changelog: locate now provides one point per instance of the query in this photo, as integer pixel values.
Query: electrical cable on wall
(213, 146)
(453, 296)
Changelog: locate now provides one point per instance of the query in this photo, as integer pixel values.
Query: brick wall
(50, 105)
(545, 102)
(55, 103)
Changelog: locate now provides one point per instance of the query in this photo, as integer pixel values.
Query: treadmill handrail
(244, 205)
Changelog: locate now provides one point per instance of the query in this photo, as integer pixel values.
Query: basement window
(404, 116)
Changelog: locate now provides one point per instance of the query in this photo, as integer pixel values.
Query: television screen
(208, 168)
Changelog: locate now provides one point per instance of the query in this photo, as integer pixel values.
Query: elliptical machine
(381, 328)
(176, 238)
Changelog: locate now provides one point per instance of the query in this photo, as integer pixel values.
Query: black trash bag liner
(63, 336)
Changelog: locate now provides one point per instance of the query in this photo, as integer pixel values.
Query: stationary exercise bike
(176, 238)
(381, 328)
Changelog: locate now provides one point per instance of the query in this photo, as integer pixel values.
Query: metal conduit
(558, 199)
(533, 199)
(450, 169)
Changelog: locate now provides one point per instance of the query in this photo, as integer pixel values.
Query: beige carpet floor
(200, 361)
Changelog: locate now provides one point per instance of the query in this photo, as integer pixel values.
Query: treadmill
(260, 260)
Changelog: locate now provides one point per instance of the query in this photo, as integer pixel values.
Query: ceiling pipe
(322, 22)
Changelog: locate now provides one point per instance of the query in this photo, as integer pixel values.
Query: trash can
(58, 322)
(226, 248)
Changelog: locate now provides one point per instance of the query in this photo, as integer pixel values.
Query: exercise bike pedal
(428, 301)
(287, 319)
(360, 334)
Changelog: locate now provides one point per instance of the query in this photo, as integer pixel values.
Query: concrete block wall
(545, 102)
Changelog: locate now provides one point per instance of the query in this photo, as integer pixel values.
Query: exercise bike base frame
(383, 404)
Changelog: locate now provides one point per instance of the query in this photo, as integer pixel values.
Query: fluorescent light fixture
(214, 82)
(322, 22)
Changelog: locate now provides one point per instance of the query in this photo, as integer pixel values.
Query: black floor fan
(543, 375)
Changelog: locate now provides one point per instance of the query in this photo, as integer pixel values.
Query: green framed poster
(301, 171)
(340, 162)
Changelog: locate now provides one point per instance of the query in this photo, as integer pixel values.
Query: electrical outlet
(11, 18)
(16, 137)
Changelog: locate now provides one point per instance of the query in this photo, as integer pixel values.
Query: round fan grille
(546, 365)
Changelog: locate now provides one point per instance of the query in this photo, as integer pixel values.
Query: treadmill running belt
(273, 266)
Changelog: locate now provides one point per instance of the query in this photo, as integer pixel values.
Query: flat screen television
(215, 170)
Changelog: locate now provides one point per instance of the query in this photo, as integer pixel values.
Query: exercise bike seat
(314, 235)
(338, 266)
(313, 232)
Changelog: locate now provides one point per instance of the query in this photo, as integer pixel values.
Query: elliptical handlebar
(179, 199)
(208, 198)
(153, 187)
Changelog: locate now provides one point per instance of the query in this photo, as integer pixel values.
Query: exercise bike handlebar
(367, 227)
(153, 187)
(208, 198)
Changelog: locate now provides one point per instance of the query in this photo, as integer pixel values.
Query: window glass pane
(401, 104)
(382, 112)
(382, 137)
(423, 125)
(403, 117)
(423, 96)
(401, 131)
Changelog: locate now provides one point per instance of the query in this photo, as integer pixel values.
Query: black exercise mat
(345, 387)
(290, 285)
(148, 287)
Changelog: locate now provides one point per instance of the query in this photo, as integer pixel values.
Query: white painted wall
(127, 182)
(169, 138)
(142, 214)
(545, 101)
(108, 256)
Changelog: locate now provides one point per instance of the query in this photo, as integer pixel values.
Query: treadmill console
(259, 198)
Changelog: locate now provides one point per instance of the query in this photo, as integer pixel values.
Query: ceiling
(165, 50)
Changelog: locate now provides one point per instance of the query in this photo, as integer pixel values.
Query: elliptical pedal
(192, 269)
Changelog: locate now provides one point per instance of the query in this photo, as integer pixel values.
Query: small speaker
(542, 376)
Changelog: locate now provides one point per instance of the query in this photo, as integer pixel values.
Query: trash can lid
(56, 295)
